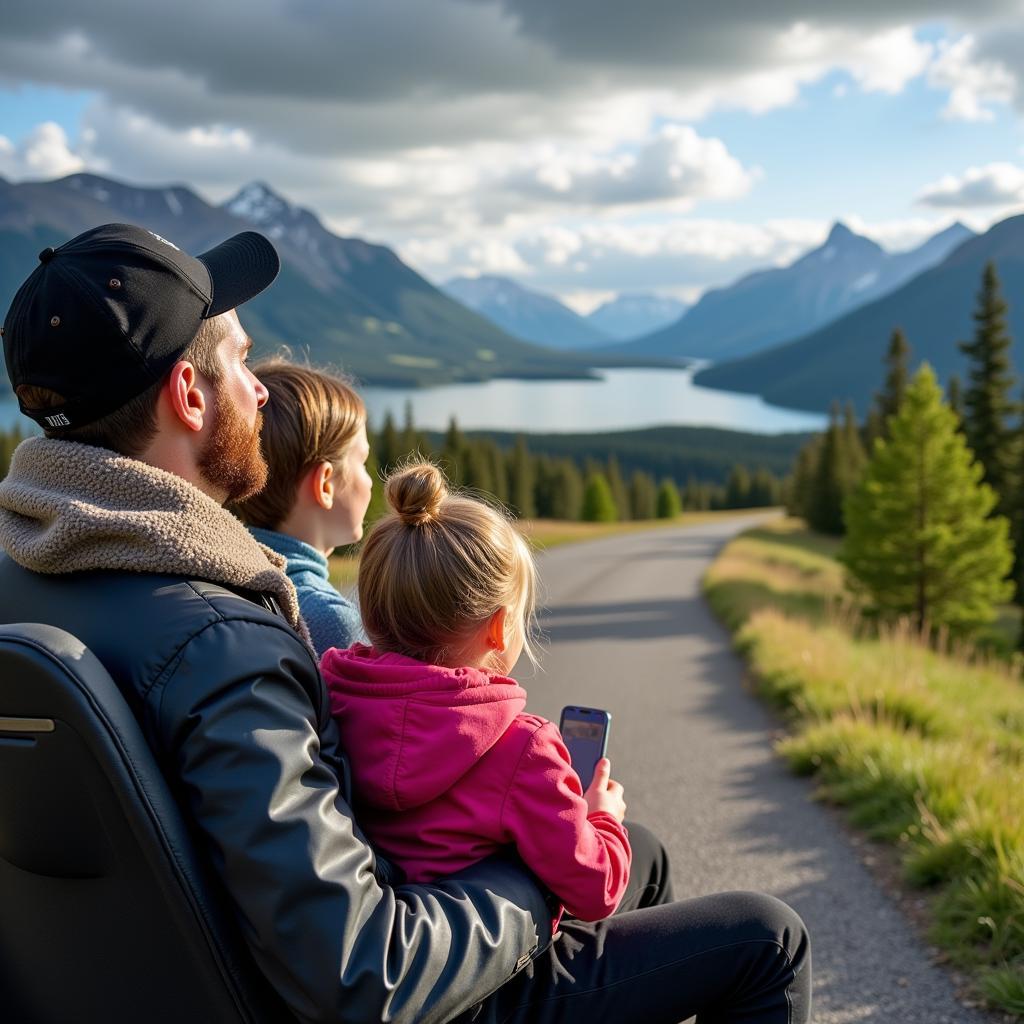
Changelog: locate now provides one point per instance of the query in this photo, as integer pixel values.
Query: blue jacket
(333, 620)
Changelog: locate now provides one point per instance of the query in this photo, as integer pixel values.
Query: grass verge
(924, 749)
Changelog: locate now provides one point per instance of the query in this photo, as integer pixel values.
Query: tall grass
(923, 746)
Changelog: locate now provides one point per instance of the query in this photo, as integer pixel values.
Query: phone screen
(585, 733)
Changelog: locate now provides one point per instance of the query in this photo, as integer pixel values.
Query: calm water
(621, 400)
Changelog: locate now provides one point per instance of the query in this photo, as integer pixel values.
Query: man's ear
(496, 630)
(321, 483)
(185, 395)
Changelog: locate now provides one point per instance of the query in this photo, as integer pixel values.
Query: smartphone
(585, 733)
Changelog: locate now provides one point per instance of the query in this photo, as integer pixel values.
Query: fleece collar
(68, 507)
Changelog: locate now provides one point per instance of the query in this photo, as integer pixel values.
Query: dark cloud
(337, 77)
(670, 33)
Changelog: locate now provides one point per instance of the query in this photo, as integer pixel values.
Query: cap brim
(240, 268)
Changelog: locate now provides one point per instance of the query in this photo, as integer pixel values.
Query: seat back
(106, 913)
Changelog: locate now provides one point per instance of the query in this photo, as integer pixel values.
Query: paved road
(629, 632)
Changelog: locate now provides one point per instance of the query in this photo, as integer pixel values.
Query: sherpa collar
(68, 507)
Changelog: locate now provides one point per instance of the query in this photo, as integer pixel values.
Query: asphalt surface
(628, 631)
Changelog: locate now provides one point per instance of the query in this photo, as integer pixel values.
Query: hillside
(345, 301)
(844, 359)
(768, 307)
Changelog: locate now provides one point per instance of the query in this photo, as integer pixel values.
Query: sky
(583, 147)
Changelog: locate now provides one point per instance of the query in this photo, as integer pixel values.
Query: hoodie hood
(412, 730)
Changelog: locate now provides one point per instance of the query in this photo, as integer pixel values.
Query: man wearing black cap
(131, 348)
(122, 343)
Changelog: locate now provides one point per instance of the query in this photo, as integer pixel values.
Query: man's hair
(130, 430)
(311, 417)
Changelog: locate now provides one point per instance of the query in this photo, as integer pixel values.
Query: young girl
(317, 492)
(447, 767)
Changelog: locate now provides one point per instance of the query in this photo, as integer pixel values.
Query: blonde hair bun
(416, 493)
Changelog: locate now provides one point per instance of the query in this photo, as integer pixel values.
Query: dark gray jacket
(231, 702)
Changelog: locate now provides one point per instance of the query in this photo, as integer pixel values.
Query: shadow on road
(618, 620)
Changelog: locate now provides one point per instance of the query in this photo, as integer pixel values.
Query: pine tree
(620, 494)
(855, 458)
(479, 475)
(410, 440)
(521, 480)
(598, 503)
(696, 495)
(874, 426)
(836, 473)
(737, 488)
(955, 398)
(453, 454)
(805, 474)
(669, 504)
(643, 496)
(387, 445)
(920, 539)
(897, 359)
(765, 489)
(567, 500)
(988, 406)
(378, 503)
(499, 474)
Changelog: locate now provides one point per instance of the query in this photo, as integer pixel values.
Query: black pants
(731, 958)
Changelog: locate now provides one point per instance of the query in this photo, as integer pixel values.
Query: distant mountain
(772, 306)
(843, 360)
(525, 313)
(632, 315)
(346, 302)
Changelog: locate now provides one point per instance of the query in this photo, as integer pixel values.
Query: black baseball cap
(107, 314)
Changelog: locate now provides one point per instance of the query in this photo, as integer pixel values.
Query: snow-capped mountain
(769, 307)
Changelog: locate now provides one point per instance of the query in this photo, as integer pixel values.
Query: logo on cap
(160, 238)
(58, 420)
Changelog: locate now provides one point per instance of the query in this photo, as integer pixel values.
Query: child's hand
(604, 793)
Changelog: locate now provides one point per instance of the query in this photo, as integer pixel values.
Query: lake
(619, 400)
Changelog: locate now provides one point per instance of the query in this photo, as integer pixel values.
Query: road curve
(629, 631)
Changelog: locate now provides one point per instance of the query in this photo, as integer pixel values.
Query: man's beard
(232, 460)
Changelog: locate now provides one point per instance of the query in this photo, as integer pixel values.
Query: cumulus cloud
(997, 184)
(676, 164)
(974, 81)
(680, 256)
(43, 153)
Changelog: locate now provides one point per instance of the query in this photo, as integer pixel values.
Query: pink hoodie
(447, 768)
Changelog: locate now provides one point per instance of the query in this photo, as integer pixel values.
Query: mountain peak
(839, 234)
(258, 202)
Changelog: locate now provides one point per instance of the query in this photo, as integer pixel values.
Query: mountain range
(346, 302)
(541, 318)
(525, 313)
(633, 314)
(769, 307)
(843, 359)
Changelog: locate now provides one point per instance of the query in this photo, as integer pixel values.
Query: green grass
(923, 747)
